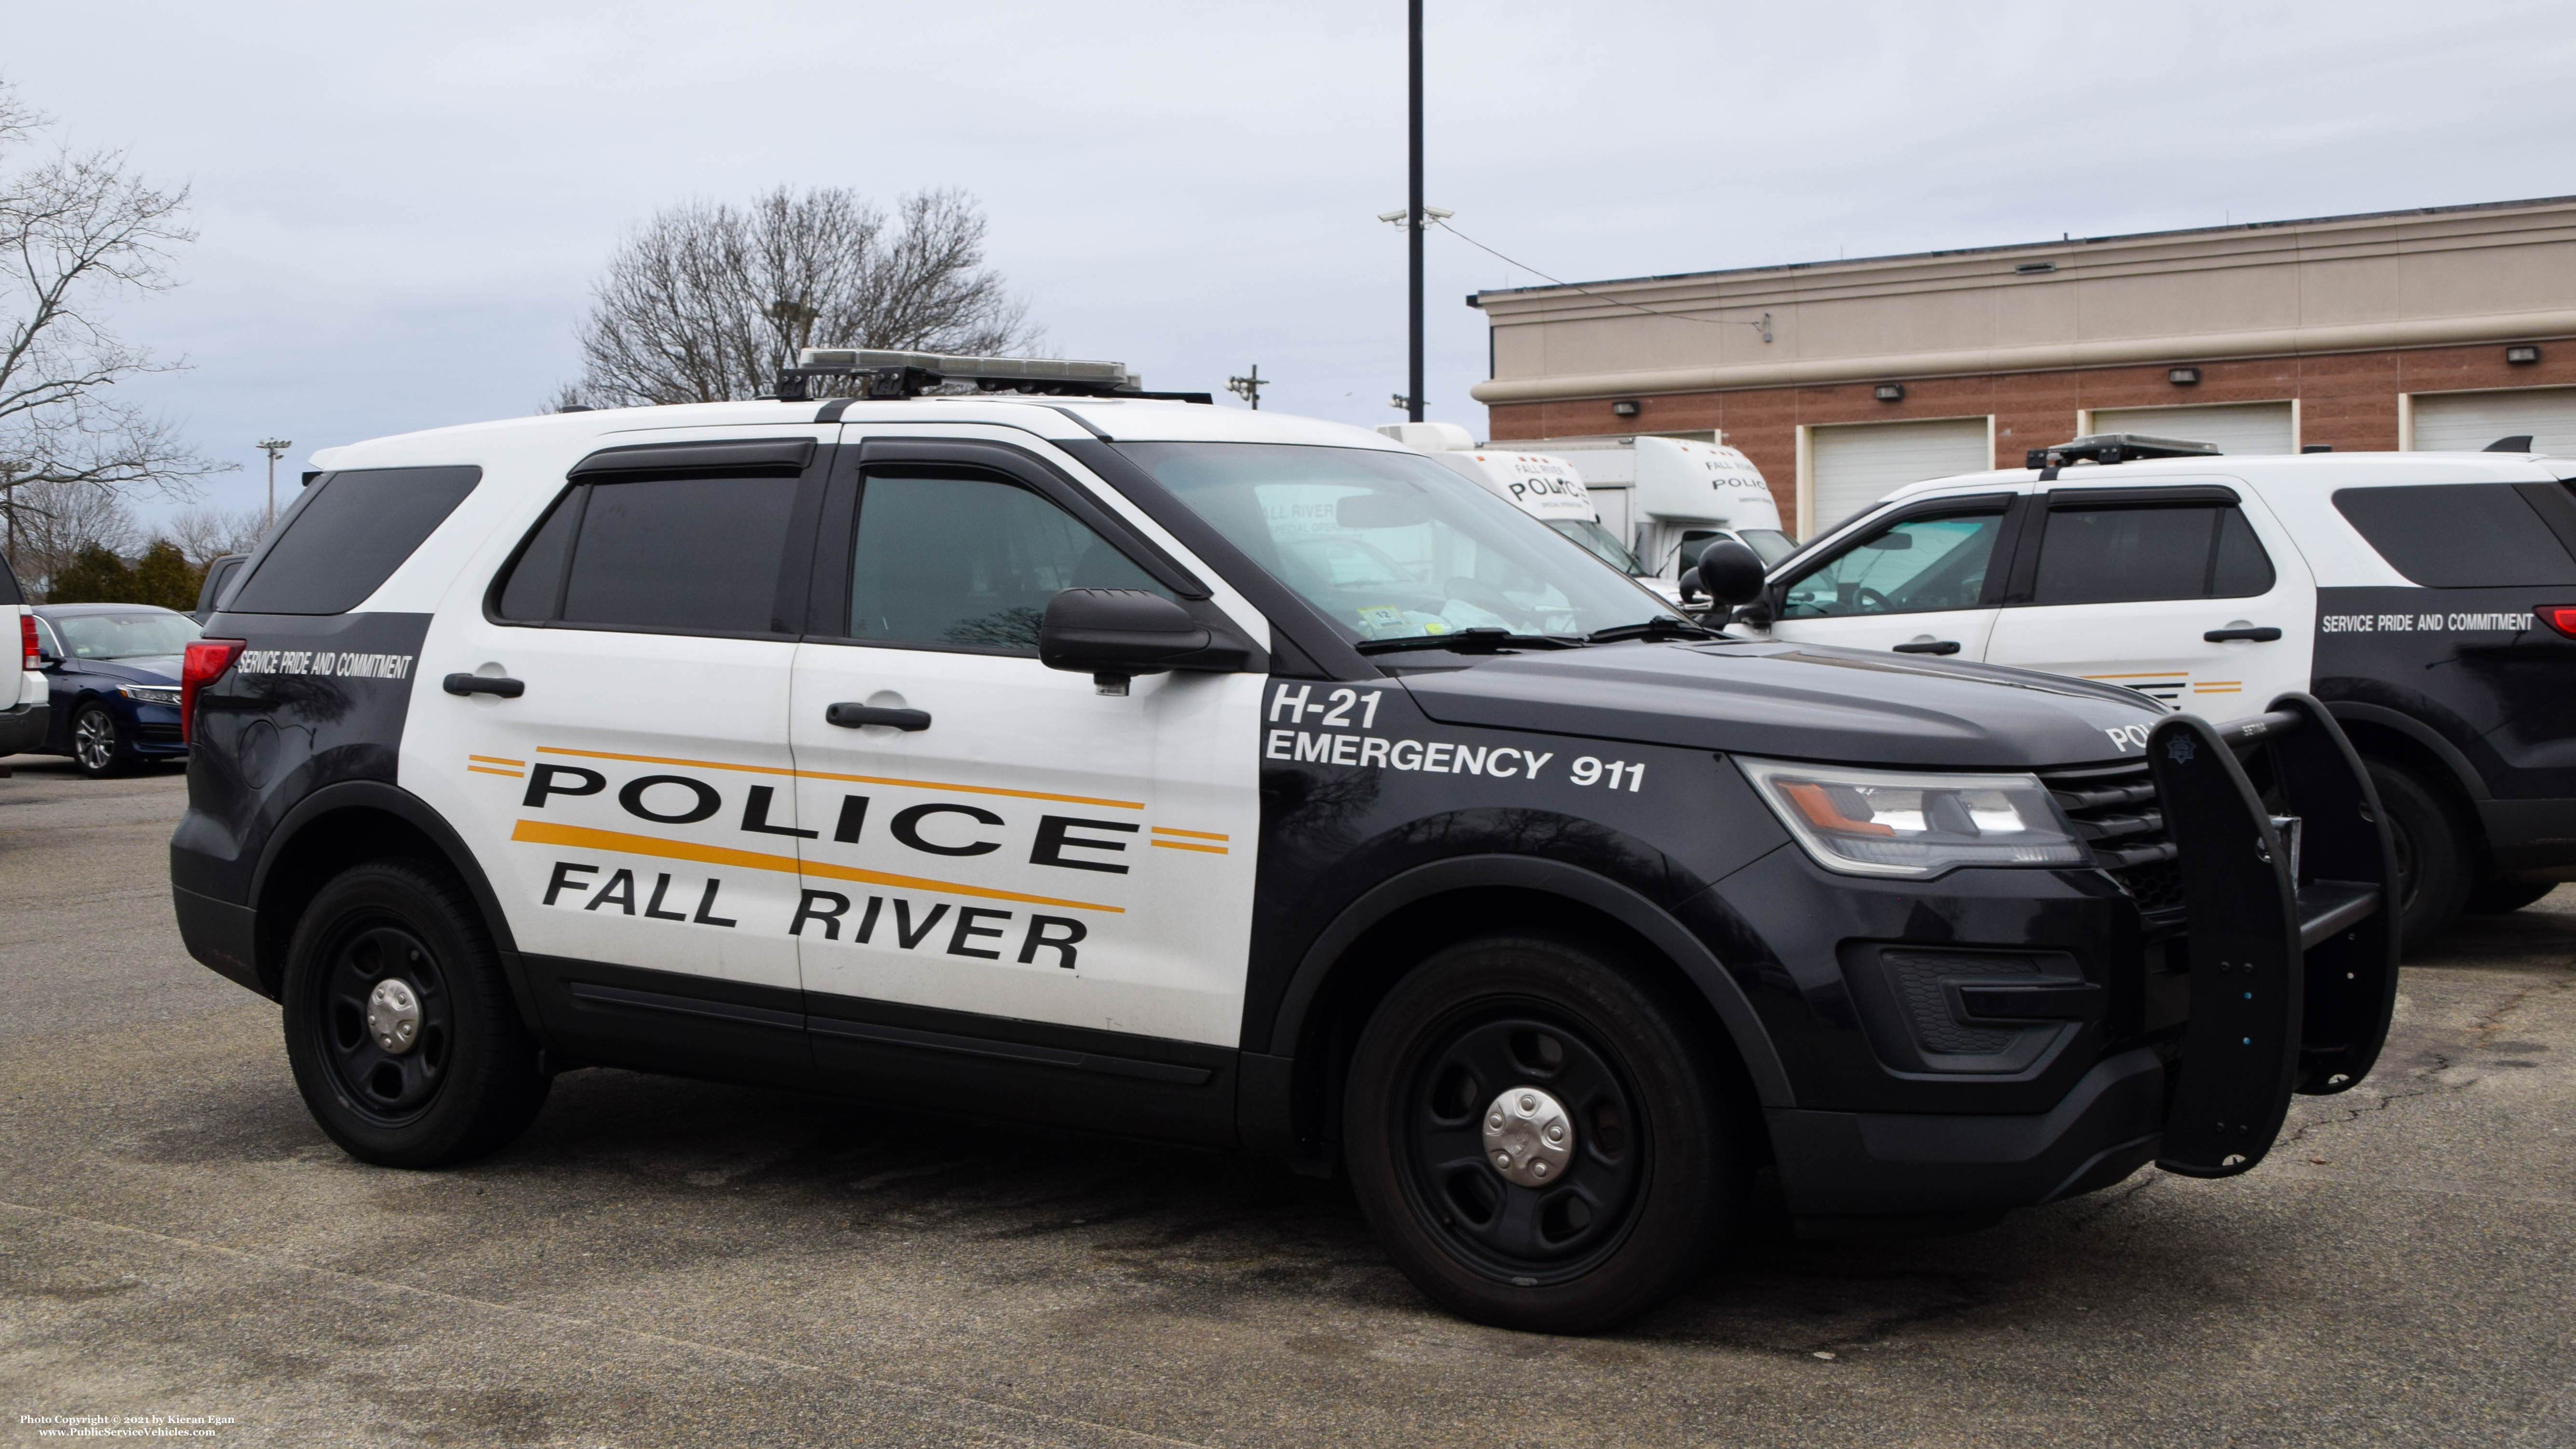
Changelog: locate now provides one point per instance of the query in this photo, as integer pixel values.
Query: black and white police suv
(2428, 598)
(1240, 780)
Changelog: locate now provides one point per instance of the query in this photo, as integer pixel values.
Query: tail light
(32, 655)
(2561, 617)
(206, 661)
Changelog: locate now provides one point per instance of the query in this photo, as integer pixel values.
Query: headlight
(1892, 823)
(149, 694)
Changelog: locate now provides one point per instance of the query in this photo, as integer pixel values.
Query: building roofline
(1954, 252)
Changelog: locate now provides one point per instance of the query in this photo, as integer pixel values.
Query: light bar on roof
(997, 369)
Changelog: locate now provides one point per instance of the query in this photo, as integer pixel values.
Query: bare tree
(77, 232)
(207, 534)
(708, 301)
(54, 520)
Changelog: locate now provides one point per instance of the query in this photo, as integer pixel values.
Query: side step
(2293, 942)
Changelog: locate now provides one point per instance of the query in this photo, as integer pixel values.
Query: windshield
(1604, 546)
(125, 636)
(1770, 544)
(1392, 545)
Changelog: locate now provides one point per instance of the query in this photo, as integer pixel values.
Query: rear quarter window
(2468, 535)
(348, 535)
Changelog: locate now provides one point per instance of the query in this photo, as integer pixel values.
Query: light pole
(1413, 212)
(275, 448)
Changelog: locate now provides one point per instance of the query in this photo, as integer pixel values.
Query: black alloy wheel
(98, 749)
(389, 1021)
(2432, 843)
(1540, 1134)
(1482, 1064)
(405, 1040)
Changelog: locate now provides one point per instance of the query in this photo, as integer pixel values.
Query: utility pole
(1248, 387)
(1413, 212)
(275, 448)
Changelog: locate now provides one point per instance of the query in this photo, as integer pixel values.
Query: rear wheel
(1539, 1136)
(2432, 845)
(404, 1039)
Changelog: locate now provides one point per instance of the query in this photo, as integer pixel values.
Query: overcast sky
(400, 217)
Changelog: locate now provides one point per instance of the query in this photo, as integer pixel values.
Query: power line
(1441, 222)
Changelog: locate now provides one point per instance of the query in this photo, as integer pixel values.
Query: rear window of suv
(347, 535)
(2469, 535)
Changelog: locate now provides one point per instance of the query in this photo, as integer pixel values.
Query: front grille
(2113, 807)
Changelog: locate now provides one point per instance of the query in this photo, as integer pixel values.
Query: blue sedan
(112, 672)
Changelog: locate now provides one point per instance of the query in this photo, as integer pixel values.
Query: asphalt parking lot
(665, 1262)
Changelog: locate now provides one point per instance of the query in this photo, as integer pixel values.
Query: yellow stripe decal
(854, 779)
(1192, 834)
(2158, 674)
(546, 832)
(496, 760)
(1185, 845)
(504, 774)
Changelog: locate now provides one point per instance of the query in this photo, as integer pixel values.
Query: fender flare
(411, 810)
(2462, 772)
(1621, 903)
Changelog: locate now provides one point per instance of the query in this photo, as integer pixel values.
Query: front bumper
(2281, 981)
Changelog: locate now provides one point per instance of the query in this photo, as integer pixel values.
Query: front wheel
(1539, 1136)
(400, 1028)
(98, 747)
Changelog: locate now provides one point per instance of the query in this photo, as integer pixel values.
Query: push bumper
(2292, 966)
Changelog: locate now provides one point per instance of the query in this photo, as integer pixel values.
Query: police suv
(1045, 749)
(2428, 598)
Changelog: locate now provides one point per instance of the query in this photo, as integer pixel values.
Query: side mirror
(1115, 634)
(1730, 572)
(1690, 585)
(1891, 542)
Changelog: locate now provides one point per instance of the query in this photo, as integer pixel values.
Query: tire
(468, 1078)
(1654, 1174)
(2432, 849)
(98, 746)
(2494, 895)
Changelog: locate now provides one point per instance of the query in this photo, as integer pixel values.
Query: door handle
(2263, 635)
(483, 684)
(851, 716)
(1929, 646)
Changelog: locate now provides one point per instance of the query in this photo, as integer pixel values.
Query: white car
(2428, 598)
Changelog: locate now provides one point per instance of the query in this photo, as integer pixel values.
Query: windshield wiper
(1485, 640)
(1660, 627)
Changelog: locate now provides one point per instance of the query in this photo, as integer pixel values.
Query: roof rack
(883, 374)
(2115, 448)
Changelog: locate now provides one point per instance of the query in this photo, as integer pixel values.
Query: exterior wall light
(1889, 392)
(2522, 356)
(1626, 407)
(2183, 376)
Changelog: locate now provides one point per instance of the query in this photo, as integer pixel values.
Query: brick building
(2443, 328)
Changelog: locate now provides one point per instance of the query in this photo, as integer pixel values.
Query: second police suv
(1047, 749)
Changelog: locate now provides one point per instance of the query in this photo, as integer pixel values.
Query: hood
(141, 669)
(1799, 702)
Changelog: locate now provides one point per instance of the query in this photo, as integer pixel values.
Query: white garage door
(2466, 422)
(1856, 464)
(2234, 427)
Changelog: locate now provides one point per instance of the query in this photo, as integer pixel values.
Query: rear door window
(688, 555)
(1913, 566)
(2468, 535)
(2130, 554)
(348, 534)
